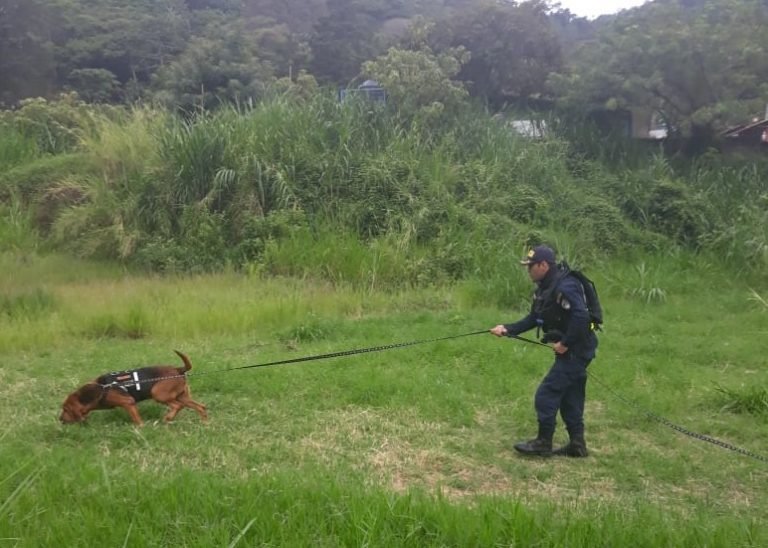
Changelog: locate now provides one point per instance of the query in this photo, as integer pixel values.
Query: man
(559, 308)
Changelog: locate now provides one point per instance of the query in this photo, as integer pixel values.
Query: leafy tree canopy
(26, 54)
(130, 40)
(214, 70)
(701, 67)
(419, 79)
(513, 49)
(346, 37)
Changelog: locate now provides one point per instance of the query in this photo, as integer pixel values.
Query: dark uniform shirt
(559, 304)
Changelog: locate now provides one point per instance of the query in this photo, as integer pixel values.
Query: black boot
(577, 448)
(541, 446)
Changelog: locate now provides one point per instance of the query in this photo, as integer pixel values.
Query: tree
(299, 15)
(130, 40)
(95, 85)
(232, 6)
(513, 49)
(214, 70)
(277, 45)
(701, 67)
(26, 53)
(340, 43)
(417, 80)
(571, 29)
(347, 36)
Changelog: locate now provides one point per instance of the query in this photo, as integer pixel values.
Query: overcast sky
(593, 8)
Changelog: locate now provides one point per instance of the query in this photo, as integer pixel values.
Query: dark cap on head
(538, 254)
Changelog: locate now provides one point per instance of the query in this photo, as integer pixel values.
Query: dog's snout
(67, 417)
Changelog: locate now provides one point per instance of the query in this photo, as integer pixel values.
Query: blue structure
(370, 89)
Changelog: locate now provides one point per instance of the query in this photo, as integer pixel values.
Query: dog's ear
(90, 393)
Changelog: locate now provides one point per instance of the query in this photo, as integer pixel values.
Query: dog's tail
(187, 363)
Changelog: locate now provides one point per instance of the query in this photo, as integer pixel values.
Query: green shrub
(201, 245)
(647, 286)
(92, 220)
(255, 232)
(334, 254)
(741, 234)
(15, 148)
(55, 126)
(31, 180)
(133, 325)
(752, 400)
(759, 299)
(27, 305)
(310, 330)
(17, 231)
(598, 224)
(674, 211)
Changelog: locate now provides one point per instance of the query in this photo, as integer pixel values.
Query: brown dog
(163, 383)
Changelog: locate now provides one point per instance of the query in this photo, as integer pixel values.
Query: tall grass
(17, 231)
(16, 148)
(231, 187)
(753, 400)
(124, 144)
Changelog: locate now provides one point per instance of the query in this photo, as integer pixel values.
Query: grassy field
(406, 447)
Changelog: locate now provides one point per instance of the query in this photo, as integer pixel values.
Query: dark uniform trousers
(564, 388)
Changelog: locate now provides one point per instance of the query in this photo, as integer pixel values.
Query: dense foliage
(346, 191)
(699, 64)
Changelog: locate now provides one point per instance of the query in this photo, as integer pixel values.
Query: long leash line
(125, 384)
(666, 422)
(352, 352)
(657, 418)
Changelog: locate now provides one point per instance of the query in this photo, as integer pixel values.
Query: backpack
(590, 295)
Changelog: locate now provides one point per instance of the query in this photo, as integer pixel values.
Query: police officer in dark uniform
(559, 309)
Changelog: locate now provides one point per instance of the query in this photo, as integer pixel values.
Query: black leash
(657, 418)
(126, 384)
(666, 422)
(352, 352)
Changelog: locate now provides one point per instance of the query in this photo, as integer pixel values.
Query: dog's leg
(116, 398)
(133, 411)
(187, 401)
(175, 407)
(176, 396)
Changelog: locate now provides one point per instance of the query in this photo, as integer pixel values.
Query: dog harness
(137, 383)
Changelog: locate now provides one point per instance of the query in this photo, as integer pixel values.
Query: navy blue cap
(538, 254)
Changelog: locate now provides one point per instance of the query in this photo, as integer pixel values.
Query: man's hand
(499, 331)
(559, 348)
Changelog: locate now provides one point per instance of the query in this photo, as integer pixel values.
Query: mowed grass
(404, 447)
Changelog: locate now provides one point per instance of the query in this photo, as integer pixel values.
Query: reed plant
(15, 148)
(231, 187)
(17, 230)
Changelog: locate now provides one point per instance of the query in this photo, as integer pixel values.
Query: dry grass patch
(403, 451)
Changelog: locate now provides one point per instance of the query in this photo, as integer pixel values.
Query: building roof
(736, 131)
